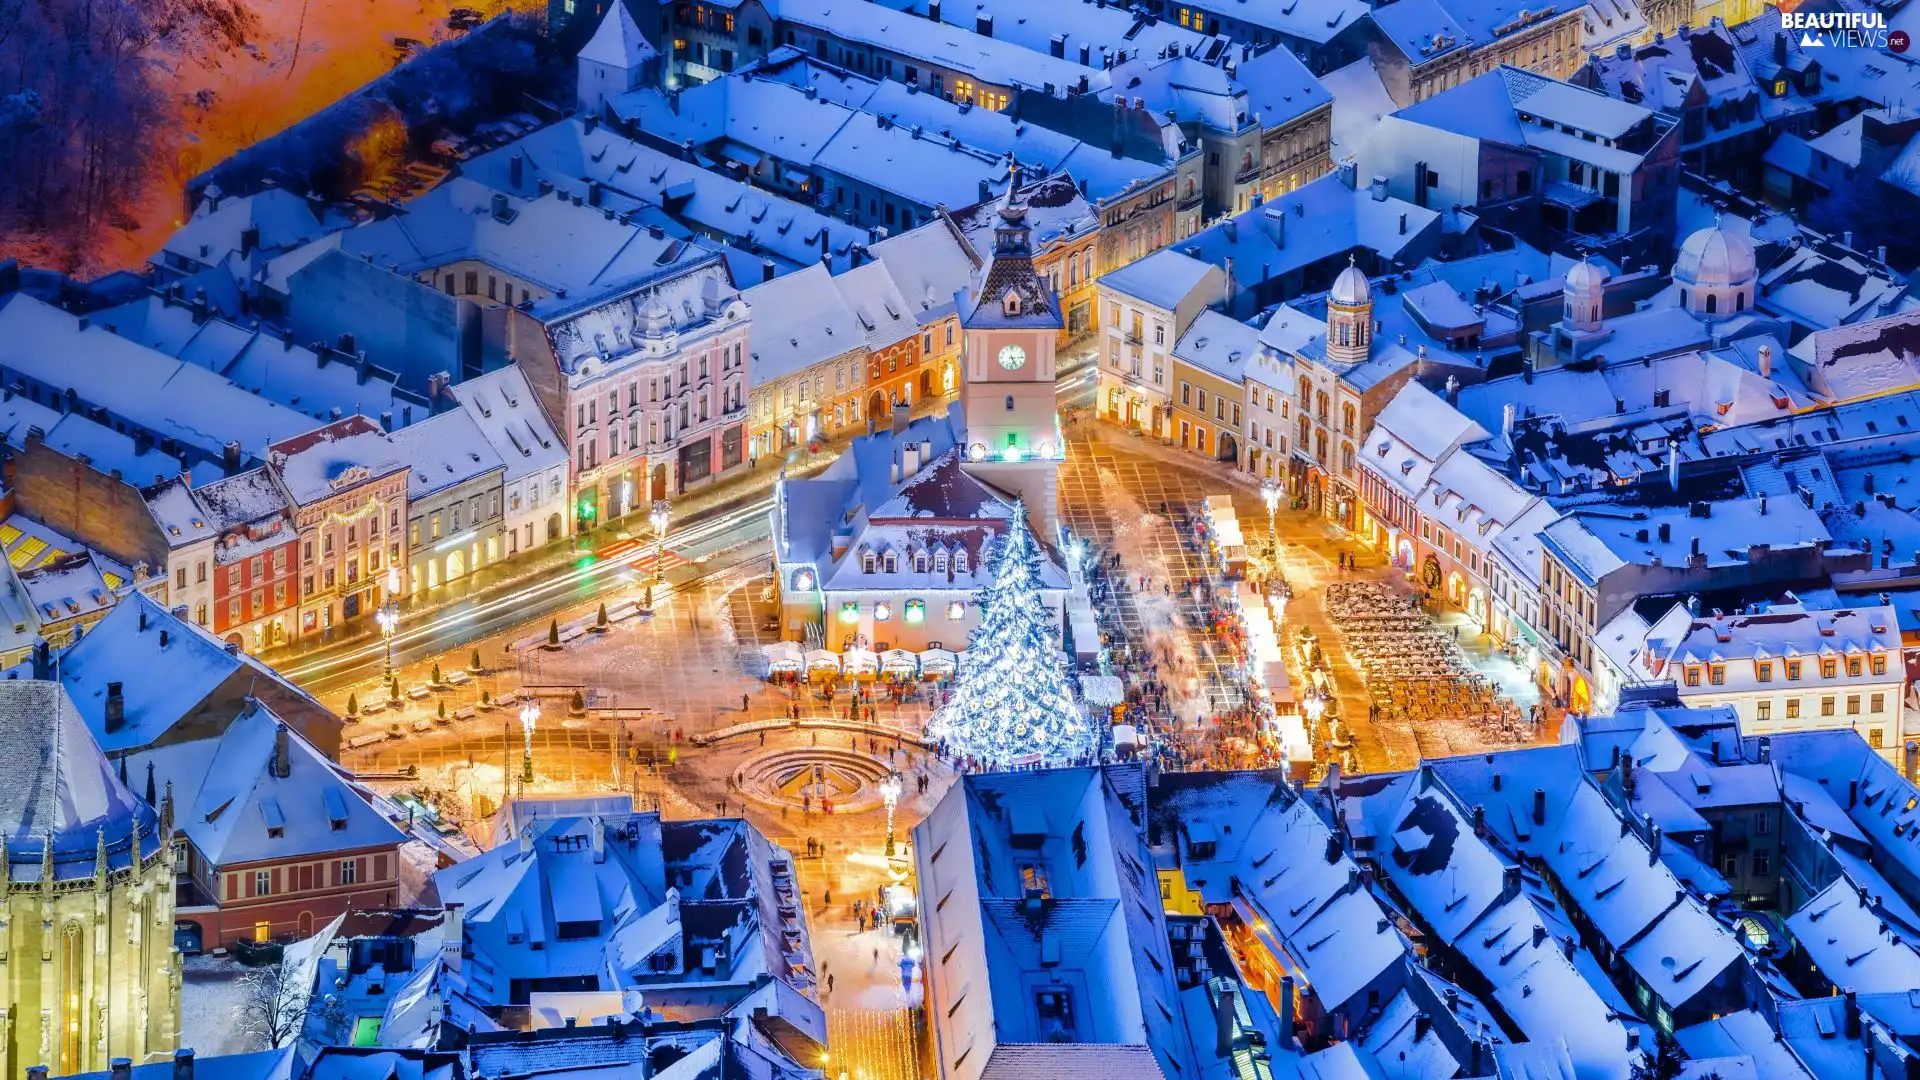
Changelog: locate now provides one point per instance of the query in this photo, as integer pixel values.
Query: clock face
(1013, 357)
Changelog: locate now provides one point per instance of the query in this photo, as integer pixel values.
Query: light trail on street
(455, 628)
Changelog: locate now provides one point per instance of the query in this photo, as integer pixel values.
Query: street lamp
(890, 794)
(1315, 707)
(657, 517)
(1270, 494)
(529, 718)
(389, 619)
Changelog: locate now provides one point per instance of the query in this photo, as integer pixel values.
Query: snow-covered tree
(1010, 704)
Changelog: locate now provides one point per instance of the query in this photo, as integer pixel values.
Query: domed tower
(86, 892)
(1716, 272)
(1349, 317)
(1585, 292)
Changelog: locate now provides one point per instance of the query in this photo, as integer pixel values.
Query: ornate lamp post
(1270, 494)
(389, 619)
(1315, 707)
(658, 517)
(529, 719)
(890, 789)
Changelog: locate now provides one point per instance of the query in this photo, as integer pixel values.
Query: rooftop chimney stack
(183, 1063)
(116, 709)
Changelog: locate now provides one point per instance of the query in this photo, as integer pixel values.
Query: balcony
(1189, 201)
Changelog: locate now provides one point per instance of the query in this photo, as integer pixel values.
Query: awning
(783, 656)
(1102, 690)
(938, 662)
(822, 660)
(899, 660)
(858, 661)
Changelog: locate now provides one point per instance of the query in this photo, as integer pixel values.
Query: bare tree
(273, 1004)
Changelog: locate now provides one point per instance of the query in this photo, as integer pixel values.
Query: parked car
(464, 18)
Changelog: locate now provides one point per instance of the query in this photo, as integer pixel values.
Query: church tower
(1349, 317)
(1013, 438)
(618, 58)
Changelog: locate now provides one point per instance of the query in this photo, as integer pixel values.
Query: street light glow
(529, 719)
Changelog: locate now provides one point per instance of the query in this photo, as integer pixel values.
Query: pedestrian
(744, 698)
(829, 984)
(763, 738)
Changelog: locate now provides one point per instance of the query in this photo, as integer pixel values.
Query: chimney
(1058, 46)
(120, 1069)
(1666, 532)
(183, 1063)
(453, 940)
(933, 10)
(1506, 423)
(1653, 845)
(599, 834)
(499, 207)
(42, 660)
(249, 240)
(163, 638)
(1286, 1011)
(1510, 880)
(1780, 47)
(1852, 1006)
(1673, 464)
(1539, 806)
(594, 193)
(282, 765)
(983, 25)
(767, 270)
(1377, 187)
(36, 1072)
(1223, 1021)
(1422, 1024)
(1453, 390)
(515, 171)
(1766, 361)
(1403, 224)
(116, 717)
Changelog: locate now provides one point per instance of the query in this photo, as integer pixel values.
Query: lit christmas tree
(1010, 704)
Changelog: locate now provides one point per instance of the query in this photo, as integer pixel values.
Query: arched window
(1009, 402)
(1011, 303)
(1713, 303)
(1684, 302)
(1740, 301)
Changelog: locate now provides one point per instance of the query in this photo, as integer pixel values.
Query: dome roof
(1586, 277)
(1350, 289)
(1715, 256)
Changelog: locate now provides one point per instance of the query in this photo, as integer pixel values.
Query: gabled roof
(53, 779)
(618, 41)
(236, 810)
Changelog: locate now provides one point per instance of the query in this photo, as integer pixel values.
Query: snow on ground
(210, 998)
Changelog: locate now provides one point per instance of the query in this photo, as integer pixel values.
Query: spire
(123, 768)
(100, 858)
(166, 814)
(151, 801)
(46, 863)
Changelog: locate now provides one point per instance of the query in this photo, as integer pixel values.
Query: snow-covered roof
(1219, 345)
(1100, 30)
(798, 321)
(573, 152)
(162, 683)
(255, 1065)
(1489, 108)
(1851, 943)
(445, 451)
(58, 784)
(989, 60)
(1595, 542)
(1315, 224)
(70, 586)
(1163, 279)
(332, 458)
(618, 41)
(509, 416)
(235, 806)
(171, 398)
(931, 266)
(278, 220)
(323, 385)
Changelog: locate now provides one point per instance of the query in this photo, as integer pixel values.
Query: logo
(1899, 41)
(1842, 29)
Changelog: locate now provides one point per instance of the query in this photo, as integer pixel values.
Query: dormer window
(939, 562)
(919, 562)
(893, 562)
(960, 561)
(1010, 303)
(866, 562)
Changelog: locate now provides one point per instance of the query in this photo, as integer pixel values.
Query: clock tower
(1013, 438)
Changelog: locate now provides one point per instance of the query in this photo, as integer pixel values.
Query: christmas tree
(1010, 704)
